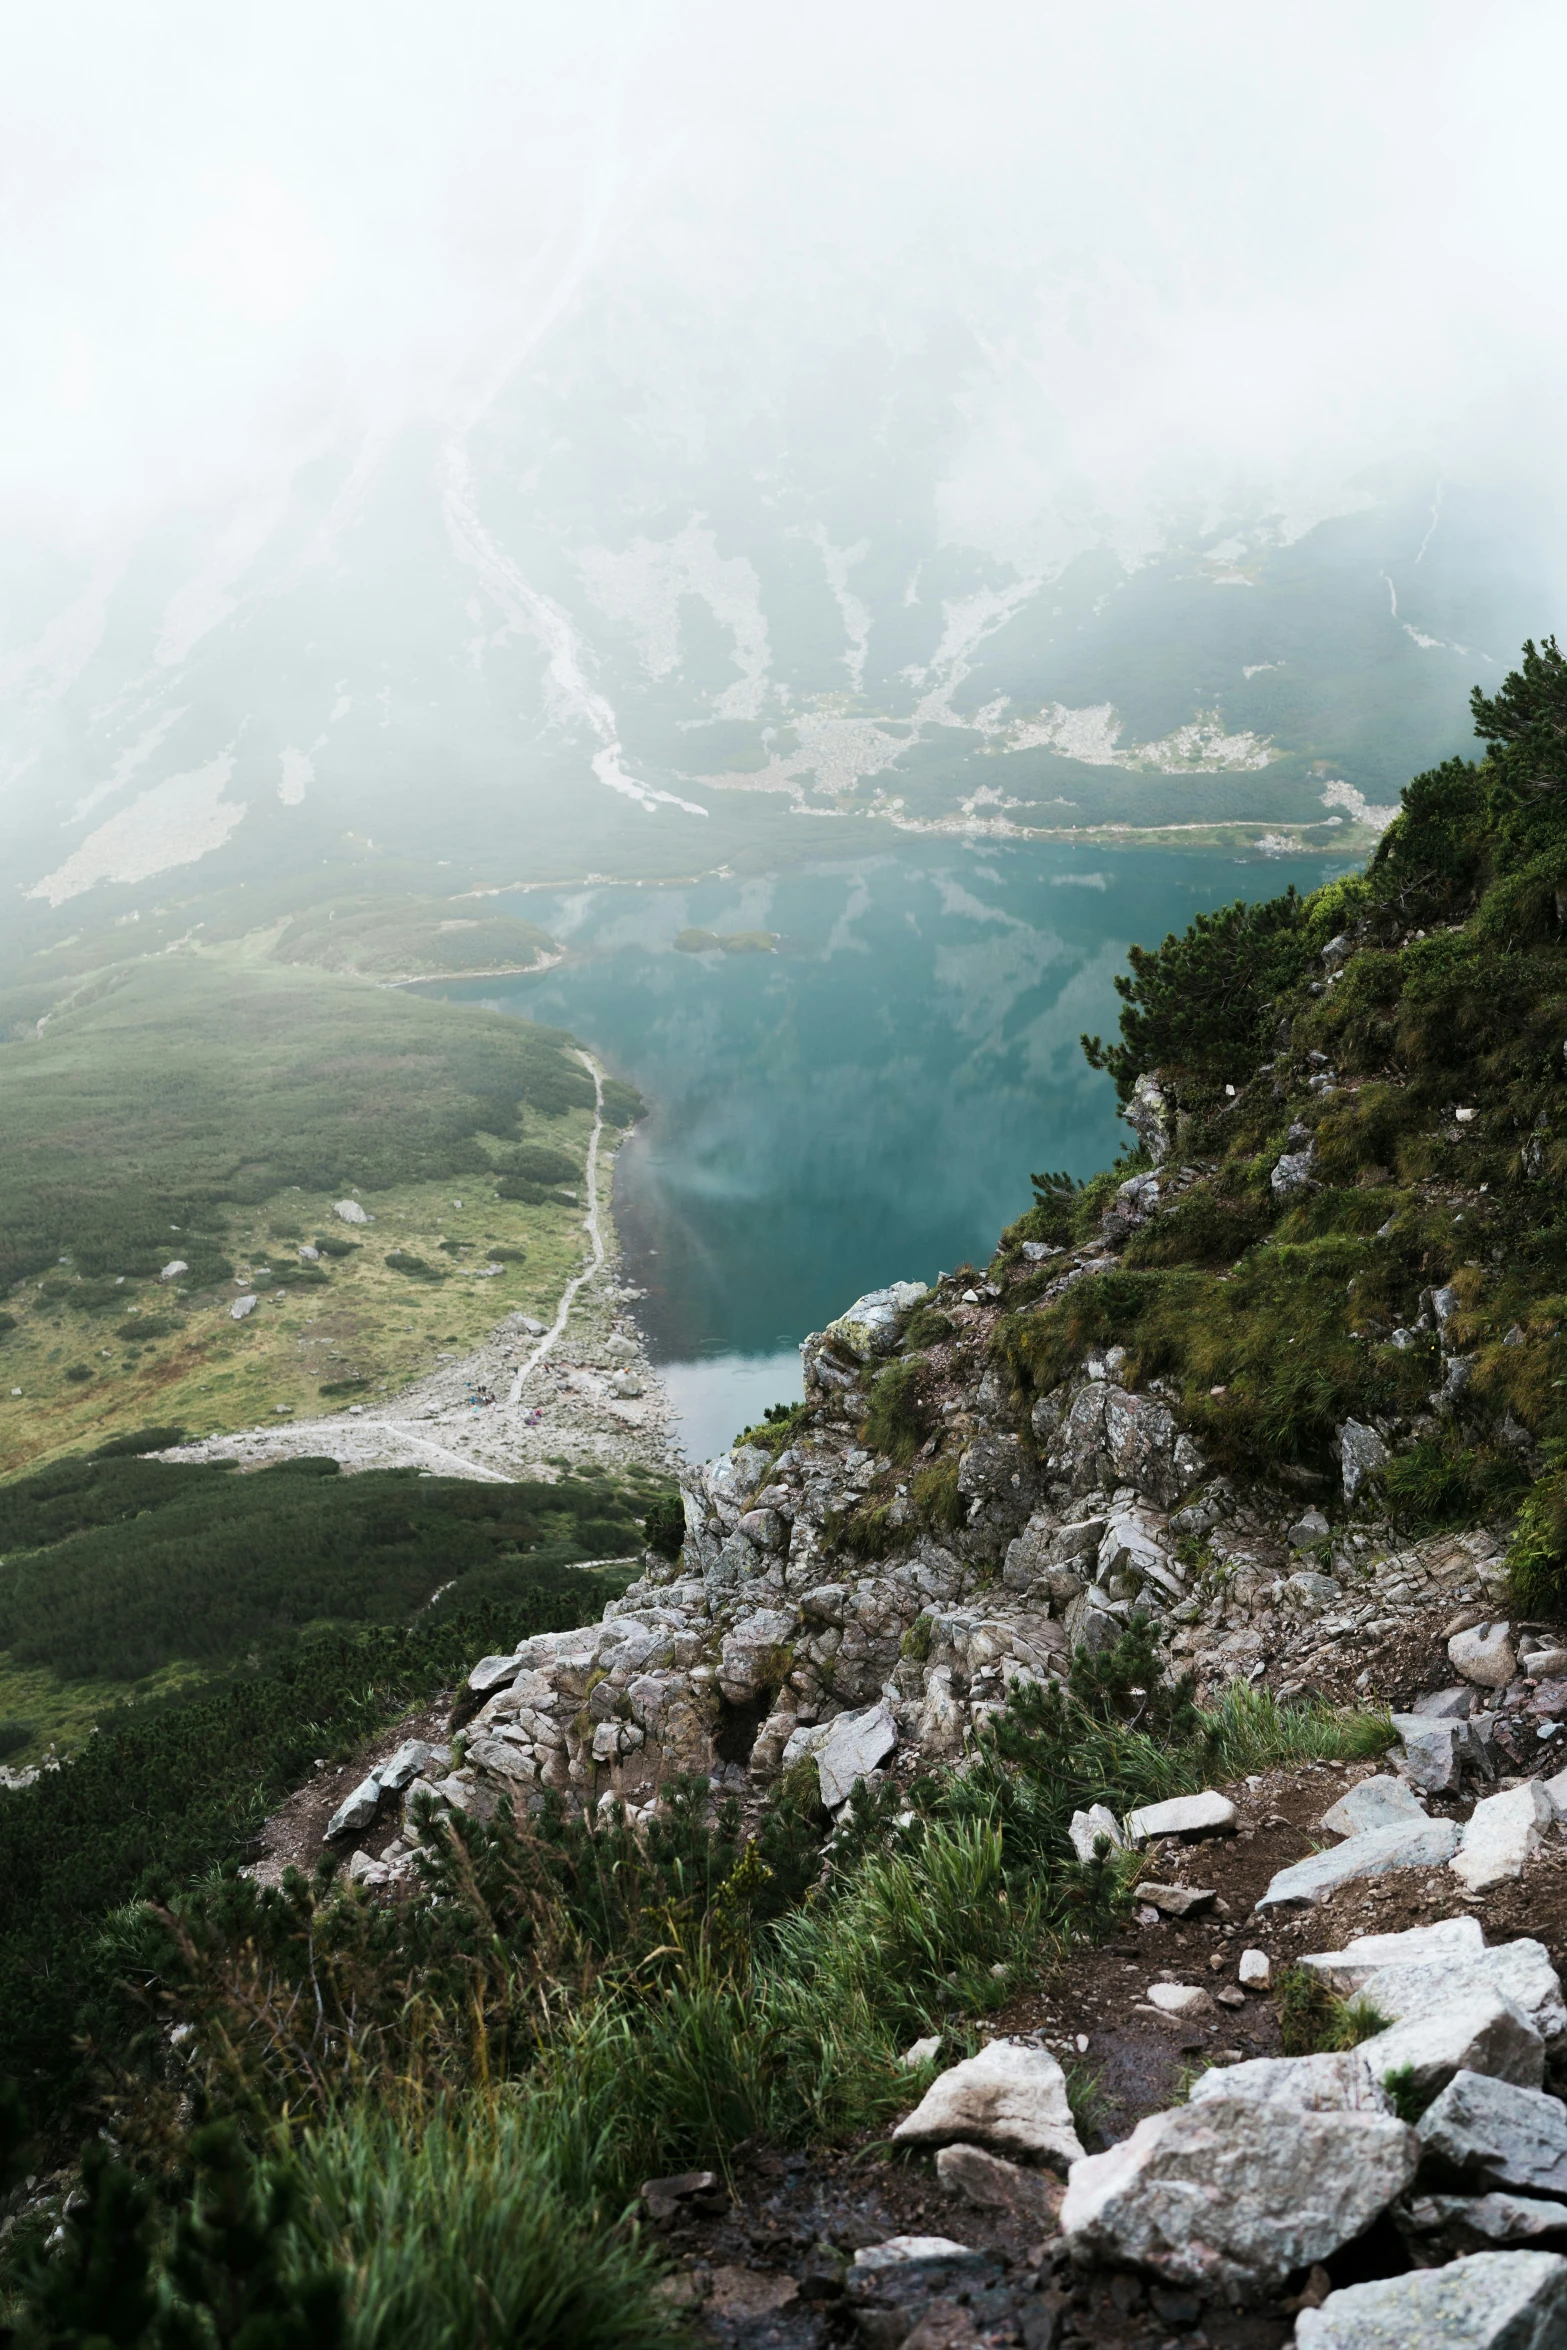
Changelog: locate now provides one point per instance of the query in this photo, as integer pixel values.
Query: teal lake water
(865, 1103)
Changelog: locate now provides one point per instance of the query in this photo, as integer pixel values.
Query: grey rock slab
(1362, 1454)
(1488, 2301)
(1010, 2096)
(995, 2184)
(1208, 1814)
(1375, 1803)
(348, 1211)
(1473, 2223)
(1176, 1901)
(1484, 1654)
(1501, 1833)
(854, 1745)
(1497, 2133)
(356, 1810)
(1480, 2031)
(1342, 2082)
(1292, 1173)
(407, 1764)
(1453, 1705)
(1219, 2193)
(1521, 1970)
(1413, 1844)
(1434, 1748)
(1310, 1528)
(493, 1672)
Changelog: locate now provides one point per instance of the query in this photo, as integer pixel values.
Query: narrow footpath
(555, 1401)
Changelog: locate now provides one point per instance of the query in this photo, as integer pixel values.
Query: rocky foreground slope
(1410, 2189)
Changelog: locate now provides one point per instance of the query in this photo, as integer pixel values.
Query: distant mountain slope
(625, 619)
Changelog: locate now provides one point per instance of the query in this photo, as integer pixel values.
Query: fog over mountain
(624, 440)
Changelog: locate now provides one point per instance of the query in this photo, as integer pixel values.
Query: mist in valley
(546, 442)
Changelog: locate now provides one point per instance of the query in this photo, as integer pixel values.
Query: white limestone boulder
(1488, 2301)
(1088, 1826)
(1520, 1970)
(871, 1326)
(1480, 2031)
(845, 1749)
(1010, 2097)
(1219, 2193)
(1208, 1814)
(1184, 2002)
(1341, 2082)
(1485, 1655)
(1501, 1833)
(1346, 1970)
(357, 1809)
(1409, 1844)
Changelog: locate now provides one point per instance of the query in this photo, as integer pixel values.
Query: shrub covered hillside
(1358, 1101)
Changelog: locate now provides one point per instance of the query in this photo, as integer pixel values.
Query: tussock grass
(456, 2228)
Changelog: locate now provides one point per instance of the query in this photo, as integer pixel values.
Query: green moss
(936, 1496)
(899, 1417)
(917, 1640)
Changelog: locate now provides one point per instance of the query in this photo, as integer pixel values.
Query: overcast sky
(1198, 238)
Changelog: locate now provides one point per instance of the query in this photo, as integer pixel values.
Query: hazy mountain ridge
(501, 645)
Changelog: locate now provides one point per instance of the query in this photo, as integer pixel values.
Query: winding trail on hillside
(590, 1225)
(396, 1438)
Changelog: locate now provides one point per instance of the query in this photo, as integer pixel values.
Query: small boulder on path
(1501, 1834)
(1208, 1814)
(1434, 1749)
(1485, 1655)
(356, 1811)
(1520, 1970)
(1347, 1969)
(1011, 2097)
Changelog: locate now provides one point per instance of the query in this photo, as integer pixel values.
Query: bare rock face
(1490, 2301)
(1492, 2133)
(1219, 2193)
(1010, 2097)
